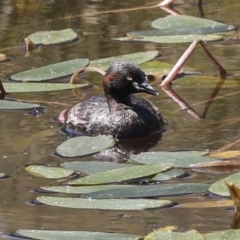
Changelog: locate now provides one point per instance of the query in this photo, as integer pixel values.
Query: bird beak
(145, 87)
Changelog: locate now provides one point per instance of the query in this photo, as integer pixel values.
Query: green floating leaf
(84, 145)
(53, 37)
(104, 204)
(83, 189)
(49, 72)
(93, 167)
(48, 172)
(193, 25)
(15, 105)
(231, 234)
(220, 188)
(169, 233)
(73, 235)
(39, 87)
(122, 174)
(179, 159)
(170, 39)
(172, 173)
(156, 190)
(136, 58)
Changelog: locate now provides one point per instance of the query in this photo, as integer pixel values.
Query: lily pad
(220, 188)
(73, 235)
(52, 71)
(156, 190)
(137, 58)
(230, 234)
(170, 39)
(93, 167)
(53, 37)
(172, 173)
(169, 233)
(193, 25)
(82, 189)
(179, 159)
(104, 204)
(84, 145)
(16, 105)
(48, 172)
(40, 87)
(122, 174)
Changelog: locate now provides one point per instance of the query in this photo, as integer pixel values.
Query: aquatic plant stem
(175, 70)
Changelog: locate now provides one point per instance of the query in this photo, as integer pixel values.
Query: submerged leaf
(157, 68)
(104, 204)
(191, 25)
(220, 188)
(48, 172)
(39, 87)
(52, 71)
(137, 58)
(156, 190)
(53, 37)
(122, 174)
(15, 105)
(73, 235)
(170, 39)
(93, 167)
(169, 233)
(179, 159)
(84, 145)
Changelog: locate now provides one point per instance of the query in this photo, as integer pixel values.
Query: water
(27, 139)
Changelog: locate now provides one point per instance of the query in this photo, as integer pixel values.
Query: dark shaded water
(27, 139)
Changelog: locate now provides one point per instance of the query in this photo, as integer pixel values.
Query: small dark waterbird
(117, 112)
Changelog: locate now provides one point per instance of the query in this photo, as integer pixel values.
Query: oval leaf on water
(170, 39)
(167, 175)
(169, 233)
(82, 189)
(39, 87)
(15, 105)
(48, 172)
(84, 145)
(73, 235)
(52, 71)
(220, 188)
(104, 204)
(153, 190)
(93, 167)
(193, 24)
(122, 174)
(179, 159)
(53, 37)
(231, 234)
(137, 58)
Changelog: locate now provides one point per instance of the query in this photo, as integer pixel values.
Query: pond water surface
(28, 139)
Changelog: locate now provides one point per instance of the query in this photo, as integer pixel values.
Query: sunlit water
(27, 139)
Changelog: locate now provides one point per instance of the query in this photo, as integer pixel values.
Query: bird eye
(129, 78)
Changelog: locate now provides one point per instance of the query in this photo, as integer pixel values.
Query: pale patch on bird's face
(129, 78)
